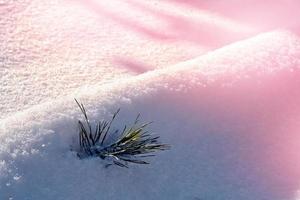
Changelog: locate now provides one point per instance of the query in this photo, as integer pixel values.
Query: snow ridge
(229, 115)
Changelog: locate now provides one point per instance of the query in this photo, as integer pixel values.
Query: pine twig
(132, 145)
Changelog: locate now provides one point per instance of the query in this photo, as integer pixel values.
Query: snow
(47, 51)
(231, 116)
(228, 134)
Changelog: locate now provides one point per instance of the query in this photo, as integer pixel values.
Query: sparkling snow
(230, 110)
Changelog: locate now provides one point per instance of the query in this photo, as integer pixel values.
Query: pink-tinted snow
(220, 80)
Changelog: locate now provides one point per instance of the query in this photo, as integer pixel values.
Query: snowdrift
(231, 116)
(50, 48)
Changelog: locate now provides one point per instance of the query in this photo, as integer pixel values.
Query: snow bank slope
(51, 48)
(231, 116)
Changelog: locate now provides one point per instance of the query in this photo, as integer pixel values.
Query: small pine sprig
(132, 146)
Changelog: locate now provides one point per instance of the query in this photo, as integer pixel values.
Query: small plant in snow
(133, 144)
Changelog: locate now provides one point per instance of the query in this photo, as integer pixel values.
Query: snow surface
(233, 131)
(51, 48)
(230, 115)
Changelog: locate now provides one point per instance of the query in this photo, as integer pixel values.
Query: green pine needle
(133, 144)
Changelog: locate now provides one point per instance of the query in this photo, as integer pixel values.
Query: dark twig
(133, 144)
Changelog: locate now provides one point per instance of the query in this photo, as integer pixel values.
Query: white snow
(51, 48)
(230, 115)
(228, 131)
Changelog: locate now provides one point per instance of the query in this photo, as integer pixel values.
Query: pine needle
(133, 144)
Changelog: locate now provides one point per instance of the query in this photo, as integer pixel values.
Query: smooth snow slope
(231, 116)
